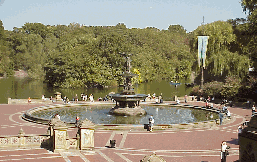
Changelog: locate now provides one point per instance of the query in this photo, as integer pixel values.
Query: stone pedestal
(86, 131)
(21, 138)
(248, 141)
(58, 132)
(152, 157)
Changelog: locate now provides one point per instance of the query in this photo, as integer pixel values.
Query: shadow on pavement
(233, 141)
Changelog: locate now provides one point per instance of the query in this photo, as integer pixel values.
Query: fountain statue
(127, 102)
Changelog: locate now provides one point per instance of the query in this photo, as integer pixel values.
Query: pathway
(194, 144)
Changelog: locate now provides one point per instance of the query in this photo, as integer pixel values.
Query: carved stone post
(59, 135)
(86, 131)
(21, 138)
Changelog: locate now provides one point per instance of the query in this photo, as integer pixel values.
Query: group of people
(75, 99)
(154, 97)
(82, 96)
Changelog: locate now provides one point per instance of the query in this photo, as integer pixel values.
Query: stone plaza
(22, 140)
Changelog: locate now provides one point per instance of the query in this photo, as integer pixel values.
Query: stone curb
(28, 115)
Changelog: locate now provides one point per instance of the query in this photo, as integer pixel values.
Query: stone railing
(56, 139)
(25, 101)
(22, 140)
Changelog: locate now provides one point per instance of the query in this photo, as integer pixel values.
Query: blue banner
(202, 49)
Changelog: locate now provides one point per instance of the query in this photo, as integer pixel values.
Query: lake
(23, 88)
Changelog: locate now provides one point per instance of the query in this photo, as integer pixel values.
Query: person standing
(239, 131)
(81, 96)
(160, 98)
(77, 121)
(65, 99)
(76, 99)
(221, 117)
(224, 151)
(185, 98)
(91, 98)
(151, 122)
(228, 114)
(29, 100)
(43, 98)
(85, 97)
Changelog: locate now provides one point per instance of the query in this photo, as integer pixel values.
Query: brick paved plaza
(173, 144)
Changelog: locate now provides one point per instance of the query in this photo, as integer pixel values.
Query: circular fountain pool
(99, 114)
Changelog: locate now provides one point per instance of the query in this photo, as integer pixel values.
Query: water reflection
(100, 115)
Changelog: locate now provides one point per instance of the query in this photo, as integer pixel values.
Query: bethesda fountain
(127, 101)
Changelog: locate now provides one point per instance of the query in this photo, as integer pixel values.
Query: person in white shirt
(239, 131)
(178, 102)
(228, 114)
(151, 121)
(43, 98)
(224, 151)
(91, 98)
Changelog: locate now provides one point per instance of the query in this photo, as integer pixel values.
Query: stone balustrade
(22, 140)
(56, 139)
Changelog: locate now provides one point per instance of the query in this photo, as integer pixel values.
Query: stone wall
(25, 101)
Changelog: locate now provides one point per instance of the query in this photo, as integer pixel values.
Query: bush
(213, 89)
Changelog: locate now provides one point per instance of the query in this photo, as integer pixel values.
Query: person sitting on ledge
(43, 98)
(178, 102)
(77, 121)
(156, 100)
(29, 100)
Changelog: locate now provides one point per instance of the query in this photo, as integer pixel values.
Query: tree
(6, 67)
(177, 29)
(220, 60)
(231, 87)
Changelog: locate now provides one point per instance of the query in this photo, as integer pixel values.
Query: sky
(133, 13)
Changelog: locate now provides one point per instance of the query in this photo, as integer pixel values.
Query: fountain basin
(99, 114)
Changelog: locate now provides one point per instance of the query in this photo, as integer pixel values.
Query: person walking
(224, 151)
(221, 115)
(151, 122)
